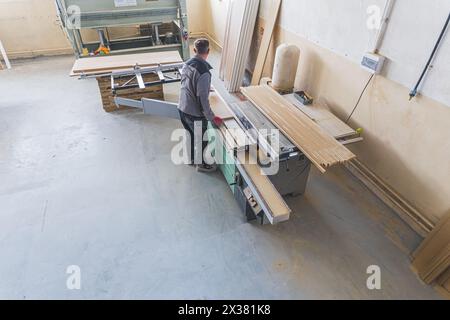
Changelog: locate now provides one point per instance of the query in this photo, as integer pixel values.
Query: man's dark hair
(202, 46)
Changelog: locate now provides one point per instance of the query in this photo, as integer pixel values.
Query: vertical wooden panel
(239, 31)
(432, 259)
(265, 43)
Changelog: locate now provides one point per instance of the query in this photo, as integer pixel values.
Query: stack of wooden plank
(319, 146)
(102, 67)
(104, 84)
(241, 22)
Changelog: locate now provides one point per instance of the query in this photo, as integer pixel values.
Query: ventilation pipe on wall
(372, 61)
(384, 24)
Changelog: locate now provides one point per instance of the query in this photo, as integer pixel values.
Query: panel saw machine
(260, 196)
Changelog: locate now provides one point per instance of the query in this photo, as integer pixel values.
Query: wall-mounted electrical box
(373, 62)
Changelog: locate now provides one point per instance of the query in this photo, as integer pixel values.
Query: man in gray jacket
(194, 107)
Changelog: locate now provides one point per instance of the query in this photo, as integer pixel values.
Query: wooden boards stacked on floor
(104, 85)
(108, 64)
(265, 42)
(322, 149)
(241, 22)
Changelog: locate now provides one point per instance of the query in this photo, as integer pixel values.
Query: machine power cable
(360, 97)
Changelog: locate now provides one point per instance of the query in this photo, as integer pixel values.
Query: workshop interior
(326, 125)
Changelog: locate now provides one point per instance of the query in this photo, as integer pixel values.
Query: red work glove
(218, 121)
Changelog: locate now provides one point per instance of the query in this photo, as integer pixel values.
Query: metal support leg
(140, 80)
(5, 57)
(157, 38)
(101, 37)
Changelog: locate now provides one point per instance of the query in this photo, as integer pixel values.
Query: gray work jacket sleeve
(203, 90)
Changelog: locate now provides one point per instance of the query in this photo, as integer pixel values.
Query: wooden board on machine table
(123, 62)
(320, 147)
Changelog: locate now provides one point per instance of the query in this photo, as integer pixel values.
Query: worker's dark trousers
(197, 143)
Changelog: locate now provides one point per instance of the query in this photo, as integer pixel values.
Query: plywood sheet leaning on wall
(121, 62)
(241, 22)
(445, 283)
(265, 42)
(320, 147)
(432, 259)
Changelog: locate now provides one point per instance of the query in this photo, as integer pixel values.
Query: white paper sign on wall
(125, 3)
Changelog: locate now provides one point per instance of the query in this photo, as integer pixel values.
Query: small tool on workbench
(304, 98)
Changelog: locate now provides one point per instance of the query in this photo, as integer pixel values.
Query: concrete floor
(82, 187)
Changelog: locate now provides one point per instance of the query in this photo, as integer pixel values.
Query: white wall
(409, 42)
(30, 27)
(197, 19)
(217, 16)
(341, 26)
(322, 22)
